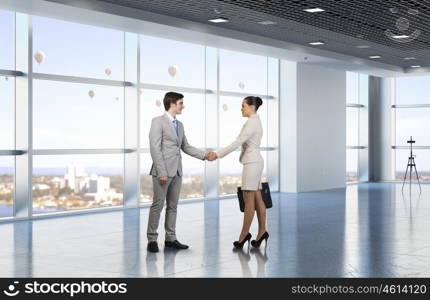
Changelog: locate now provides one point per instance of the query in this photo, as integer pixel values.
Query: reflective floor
(368, 230)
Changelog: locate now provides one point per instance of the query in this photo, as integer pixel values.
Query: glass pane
(7, 40)
(192, 180)
(412, 122)
(146, 190)
(422, 161)
(168, 62)
(230, 174)
(352, 94)
(72, 182)
(264, 174)
(351, 165)
(242, 72)
(192, 117)
(7, 112)
(231, 120)
(272, 122)
(352, 126)
(412, 90)
(72, 116)
(6, 185)
(73, 49)
(230, 170)
(273, 77)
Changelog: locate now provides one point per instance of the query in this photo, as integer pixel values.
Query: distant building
(103, 185)
(59, 183)
(93, 184)
(41, 187)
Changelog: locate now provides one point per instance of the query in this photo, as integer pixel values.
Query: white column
(381, 156)
(313, 127)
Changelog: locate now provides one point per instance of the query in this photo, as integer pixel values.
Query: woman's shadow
(244, 255)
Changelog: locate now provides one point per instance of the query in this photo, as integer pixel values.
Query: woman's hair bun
(254, 100)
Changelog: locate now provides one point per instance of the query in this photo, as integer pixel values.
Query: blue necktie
(175, 124)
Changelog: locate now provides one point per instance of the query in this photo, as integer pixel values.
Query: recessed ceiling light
(314, 10)
(409, 58)
(400, 36)
(267, 23)
(375, 56)
(363, 46)
(218, 20)
(416, 66)
(316, 43)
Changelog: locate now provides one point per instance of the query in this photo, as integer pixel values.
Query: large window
(411, 108)
(164, 69)
(74, 115)
(356, 127)
(7, 113)
(247, 75)
(86, 145)
(240, 75)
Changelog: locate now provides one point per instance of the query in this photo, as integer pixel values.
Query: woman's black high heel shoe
(239, 245)
(257, 243)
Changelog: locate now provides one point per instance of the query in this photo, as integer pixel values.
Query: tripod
(411, 164)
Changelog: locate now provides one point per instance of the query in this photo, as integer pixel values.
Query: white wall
(319, 161)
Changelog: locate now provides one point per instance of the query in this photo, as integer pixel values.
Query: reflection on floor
(368, 230)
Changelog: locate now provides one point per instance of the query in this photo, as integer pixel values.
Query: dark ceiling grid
(371, 17)
(343, 26)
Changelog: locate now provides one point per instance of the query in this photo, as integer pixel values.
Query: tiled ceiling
(359, 28)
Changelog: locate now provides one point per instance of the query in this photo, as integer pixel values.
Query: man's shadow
(152, 265)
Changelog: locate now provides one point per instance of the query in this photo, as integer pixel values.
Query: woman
(253, 164)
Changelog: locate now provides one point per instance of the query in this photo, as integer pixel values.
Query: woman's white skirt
(251, 176)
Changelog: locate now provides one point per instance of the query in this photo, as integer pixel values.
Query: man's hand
(164, 180)
(210, 156)
(207, 154)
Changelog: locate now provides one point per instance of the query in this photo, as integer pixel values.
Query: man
(166, 139)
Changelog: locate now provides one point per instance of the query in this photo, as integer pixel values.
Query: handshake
(210, 156)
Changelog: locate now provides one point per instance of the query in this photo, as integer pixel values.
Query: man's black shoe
(175, 244)
(152, 247)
